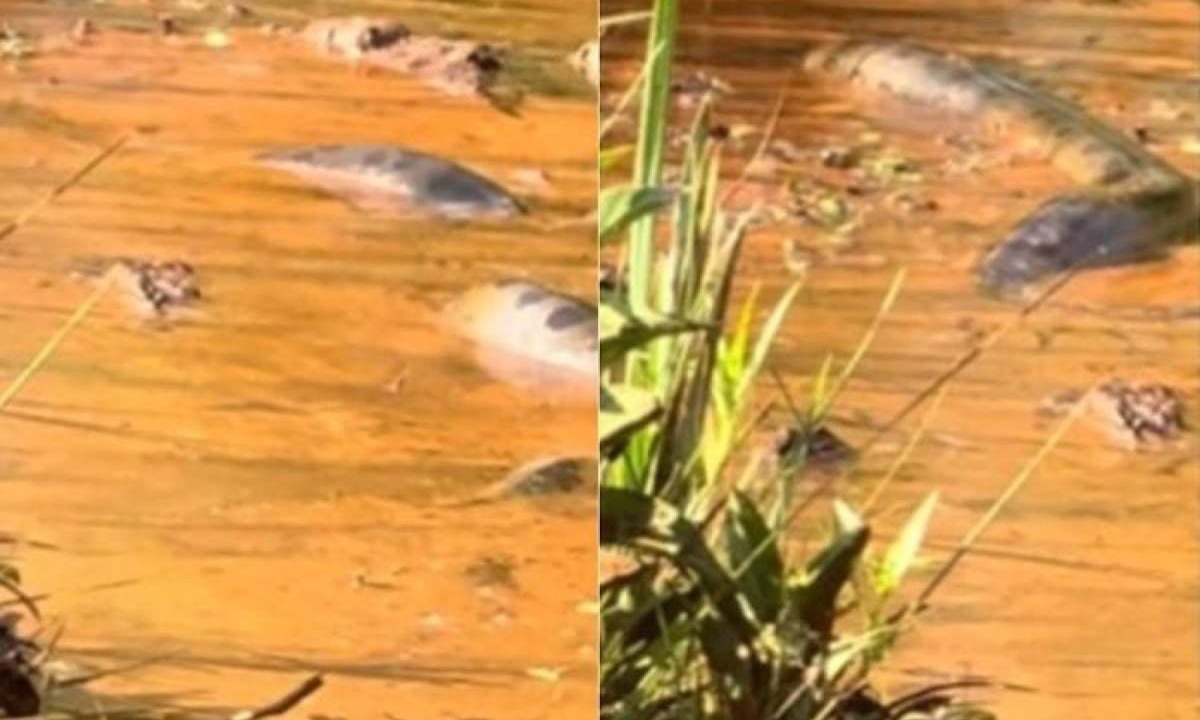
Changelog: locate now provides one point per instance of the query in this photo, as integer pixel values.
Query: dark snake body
(1132, 207)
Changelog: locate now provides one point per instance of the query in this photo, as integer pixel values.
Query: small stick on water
(52, 344)
(104, 154)
(285, 703)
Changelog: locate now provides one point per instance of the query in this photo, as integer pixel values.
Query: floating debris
(217, 39)
(611, 280)
(395, 179)
(785, 151)
(586, 61)
(82, 30)
(493, 571)
(910, 204)
(14, 44)
(1161, 109)
(840, 158)
(167, 26)
(888, 169)
(158, 289)
(794, 449)
(532, 179)
(826, 209)
(796, 259)
(1137, 415)
(550, 675)
(19, 677)
(818, 446)
(690, 89)
(454, 67)
(237, 11)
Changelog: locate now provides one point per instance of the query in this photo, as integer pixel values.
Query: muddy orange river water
(1084, 592)
(253, 493)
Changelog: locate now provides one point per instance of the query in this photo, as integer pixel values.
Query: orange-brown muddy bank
(255, 491)
(1085, 590)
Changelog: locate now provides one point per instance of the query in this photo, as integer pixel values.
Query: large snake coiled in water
(1132, 205)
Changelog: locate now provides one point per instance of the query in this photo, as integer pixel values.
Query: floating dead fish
(544, 477)
(1133, 206)
(530, 335)
(394, 179)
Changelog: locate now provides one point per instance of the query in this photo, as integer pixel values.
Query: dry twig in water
(285, 703)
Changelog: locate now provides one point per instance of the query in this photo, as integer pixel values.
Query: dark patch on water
(376, 158)
(401, 163)
(532, 296)
(566, 316)
(453, 186)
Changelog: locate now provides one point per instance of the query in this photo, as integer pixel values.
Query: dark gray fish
(1134, 207)
(1088, 230)
(395, 179)
(543, 478)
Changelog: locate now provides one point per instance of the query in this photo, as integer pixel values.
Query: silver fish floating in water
(530, 336)
(394, 179)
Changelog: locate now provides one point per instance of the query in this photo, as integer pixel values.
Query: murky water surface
(1085, 589)
(258, 490)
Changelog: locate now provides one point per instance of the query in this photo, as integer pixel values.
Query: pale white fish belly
(528, 321)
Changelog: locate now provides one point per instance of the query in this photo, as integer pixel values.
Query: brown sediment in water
(256, 490)
(1085, 588)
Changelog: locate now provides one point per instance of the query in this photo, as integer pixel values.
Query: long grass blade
(651, 145)
(77, 177)
(889, 299)
(52, 344)
(1014, 486)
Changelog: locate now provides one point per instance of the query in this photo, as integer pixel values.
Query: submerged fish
(544, 477)
(395, 179)
(1133, 207)
(530, 334)
(546, 342)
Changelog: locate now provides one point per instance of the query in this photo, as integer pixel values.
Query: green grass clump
(713, 614)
